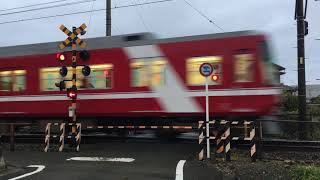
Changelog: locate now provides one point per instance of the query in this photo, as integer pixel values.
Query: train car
(141, 77)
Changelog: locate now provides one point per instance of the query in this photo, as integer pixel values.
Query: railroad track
(96, 138)
(265, 144)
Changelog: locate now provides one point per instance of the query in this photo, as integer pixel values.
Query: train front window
(193, 75)
(267, 68)
(243, 68)
(148, 72)
(13, 80)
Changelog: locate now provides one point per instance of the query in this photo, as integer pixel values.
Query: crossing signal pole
(73, 40)
(302, 30)
(108, 17)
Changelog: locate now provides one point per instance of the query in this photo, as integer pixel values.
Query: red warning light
(215, 77)
(61, 57)
(71, 93)
(106, 73)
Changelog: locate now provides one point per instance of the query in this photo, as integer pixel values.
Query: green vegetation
(289, 103)
(306, 173)
(289, 106)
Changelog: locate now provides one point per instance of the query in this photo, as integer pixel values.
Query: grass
(306, 173)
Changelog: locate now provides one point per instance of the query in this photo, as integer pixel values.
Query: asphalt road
(152, 161)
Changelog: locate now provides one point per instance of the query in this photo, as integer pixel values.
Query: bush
(306, 173)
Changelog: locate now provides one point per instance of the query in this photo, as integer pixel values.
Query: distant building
(279, 71)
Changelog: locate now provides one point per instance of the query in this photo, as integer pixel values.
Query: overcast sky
(175, 18)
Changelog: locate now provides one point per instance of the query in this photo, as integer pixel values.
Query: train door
(245, 81)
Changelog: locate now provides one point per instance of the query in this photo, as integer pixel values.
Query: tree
(289, 102)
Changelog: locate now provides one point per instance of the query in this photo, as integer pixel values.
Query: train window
(19, 80)
(101, 77)
(158, 73)
(139, 74)
(48, 78)
(243, 68)
(193, 75)
(149, 72)
(267, 68)
(6, 80)
(13, 80)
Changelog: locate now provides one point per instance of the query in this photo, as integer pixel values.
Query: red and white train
(138, 76)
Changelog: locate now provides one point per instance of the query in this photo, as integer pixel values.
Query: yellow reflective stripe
(83, 45)
(83, 26)
(61, 46)
(65, 30)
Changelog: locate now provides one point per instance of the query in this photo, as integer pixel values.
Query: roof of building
(280, 68)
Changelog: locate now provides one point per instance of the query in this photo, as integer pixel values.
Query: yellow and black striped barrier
(47, 137)
(61, 136)
(227, 143)
(61, 139)
(78, 136)
(202, 138)
(223, 137)
(253, 146)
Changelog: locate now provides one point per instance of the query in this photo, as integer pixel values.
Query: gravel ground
(274, 165)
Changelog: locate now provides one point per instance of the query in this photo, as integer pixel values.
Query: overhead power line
(140, 16)
(203, 15)
(82, 12)
(140, 4)
(40, 4)
(48, 7)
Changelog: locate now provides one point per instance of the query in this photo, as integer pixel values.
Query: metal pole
(11, 137)
(301, 67)
(74, 85)
(108, 18)
(207, 120)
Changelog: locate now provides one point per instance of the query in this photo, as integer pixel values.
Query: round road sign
(206, 69)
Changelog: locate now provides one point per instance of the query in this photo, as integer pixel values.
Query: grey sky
(176, 18)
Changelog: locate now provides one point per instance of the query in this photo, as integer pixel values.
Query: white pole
(207, 120)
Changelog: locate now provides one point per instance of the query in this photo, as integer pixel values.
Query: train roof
(136, 39)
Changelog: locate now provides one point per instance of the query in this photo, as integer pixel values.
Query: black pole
(108, 18)
(301, 67)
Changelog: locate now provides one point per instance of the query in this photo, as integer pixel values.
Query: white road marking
(39, 169)
(179, 170)
(101, 159)
(93, 96)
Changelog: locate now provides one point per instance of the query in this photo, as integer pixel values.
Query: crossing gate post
(253, 147)
(47, 137)
(78, 136)
(62, 133)
(201, 140)
(219, 138)
(227, 145)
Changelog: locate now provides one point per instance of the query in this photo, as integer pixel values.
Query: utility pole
(108, 18)
(301, 32)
